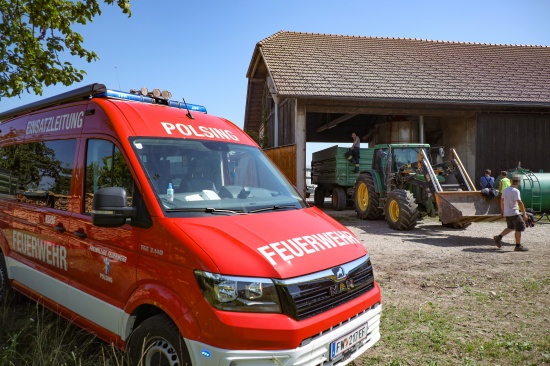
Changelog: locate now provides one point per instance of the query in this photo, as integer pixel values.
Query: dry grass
(33, 335)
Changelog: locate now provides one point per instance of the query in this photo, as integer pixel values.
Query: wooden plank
(285, 158)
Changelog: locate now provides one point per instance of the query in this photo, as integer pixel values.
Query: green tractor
(402, 182)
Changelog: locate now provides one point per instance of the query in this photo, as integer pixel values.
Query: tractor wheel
(401, 210)
(339, 198)
(365, 198)
(319, 196)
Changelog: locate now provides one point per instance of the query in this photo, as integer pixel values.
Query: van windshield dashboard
(213, 177)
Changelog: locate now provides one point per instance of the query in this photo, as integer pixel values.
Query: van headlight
(245, 294)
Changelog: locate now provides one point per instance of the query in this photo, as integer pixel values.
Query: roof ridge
(399, 38)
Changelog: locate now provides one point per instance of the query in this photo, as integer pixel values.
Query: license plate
(346, 342)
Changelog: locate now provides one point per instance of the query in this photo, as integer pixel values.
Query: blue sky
(201, 50)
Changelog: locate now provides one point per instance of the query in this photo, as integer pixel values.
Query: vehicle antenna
(117, 78)
(188, 111)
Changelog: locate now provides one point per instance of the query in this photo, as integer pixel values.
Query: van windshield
(212, 177)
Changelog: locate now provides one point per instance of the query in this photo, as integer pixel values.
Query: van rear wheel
(6, 293)
(4, 282)
(157, 341)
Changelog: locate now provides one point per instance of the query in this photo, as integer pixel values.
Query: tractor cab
(398, 160)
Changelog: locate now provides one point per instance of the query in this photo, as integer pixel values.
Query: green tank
(534, 188)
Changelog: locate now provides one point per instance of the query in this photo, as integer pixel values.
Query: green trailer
(334, 176)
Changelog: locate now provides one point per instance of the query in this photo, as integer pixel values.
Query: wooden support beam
(335, 122)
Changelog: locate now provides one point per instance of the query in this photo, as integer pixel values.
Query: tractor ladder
(532, 185)
(532, 190)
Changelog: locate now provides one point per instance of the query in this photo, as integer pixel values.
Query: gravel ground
(493, 291)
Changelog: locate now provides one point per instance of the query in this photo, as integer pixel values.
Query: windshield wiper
(273, 208)
(217, 210)
(206, 210)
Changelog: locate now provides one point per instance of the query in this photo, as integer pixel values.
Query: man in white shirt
(512, 207)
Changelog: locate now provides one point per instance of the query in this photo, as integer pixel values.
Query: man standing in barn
(510, 205)
(354, 152)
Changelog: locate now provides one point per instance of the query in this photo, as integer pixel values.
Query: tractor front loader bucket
(466, 206)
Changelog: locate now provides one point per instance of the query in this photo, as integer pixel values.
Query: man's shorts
(515, 223)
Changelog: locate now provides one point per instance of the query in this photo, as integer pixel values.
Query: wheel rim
(394, 211)
(161, 352)
(362, 196)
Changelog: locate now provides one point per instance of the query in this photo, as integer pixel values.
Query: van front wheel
(157, 341)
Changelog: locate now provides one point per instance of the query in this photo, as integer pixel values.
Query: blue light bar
(140, 98)
(128, 96)
(192, 107)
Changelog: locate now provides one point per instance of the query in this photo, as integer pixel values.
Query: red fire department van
(168, 232)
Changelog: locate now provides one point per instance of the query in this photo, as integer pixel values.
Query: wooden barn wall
(253, 117)
(285, 158)
(287, 134)
(503, 140)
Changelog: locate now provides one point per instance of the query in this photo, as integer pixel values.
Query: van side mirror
(110, 208)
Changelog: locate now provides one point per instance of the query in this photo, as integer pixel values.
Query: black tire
(319, 196)
(339, 198)
(457, 225)
(6, 292)
(401, 210)
(157, 341)
(365, 199)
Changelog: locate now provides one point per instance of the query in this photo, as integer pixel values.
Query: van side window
(105, 167)
(38, 173)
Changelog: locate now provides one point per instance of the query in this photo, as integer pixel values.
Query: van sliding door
(40, 175)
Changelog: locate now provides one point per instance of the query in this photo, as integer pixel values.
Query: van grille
(307, 296)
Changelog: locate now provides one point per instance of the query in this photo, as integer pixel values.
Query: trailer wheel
(401, 210)
(157, 341)
(366, 200)
(339, 198)
(319, 196)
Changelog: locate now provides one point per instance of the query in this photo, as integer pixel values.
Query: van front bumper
(316, 351)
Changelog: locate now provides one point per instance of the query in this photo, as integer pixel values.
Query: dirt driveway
(491, 294)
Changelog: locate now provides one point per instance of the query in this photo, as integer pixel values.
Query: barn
(489, 102)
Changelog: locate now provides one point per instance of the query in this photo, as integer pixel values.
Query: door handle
(59, 228)
(80, 234)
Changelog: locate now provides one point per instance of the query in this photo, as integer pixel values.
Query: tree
(34, 34)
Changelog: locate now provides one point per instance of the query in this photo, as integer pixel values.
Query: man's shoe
(520, 248)
(497, 240)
